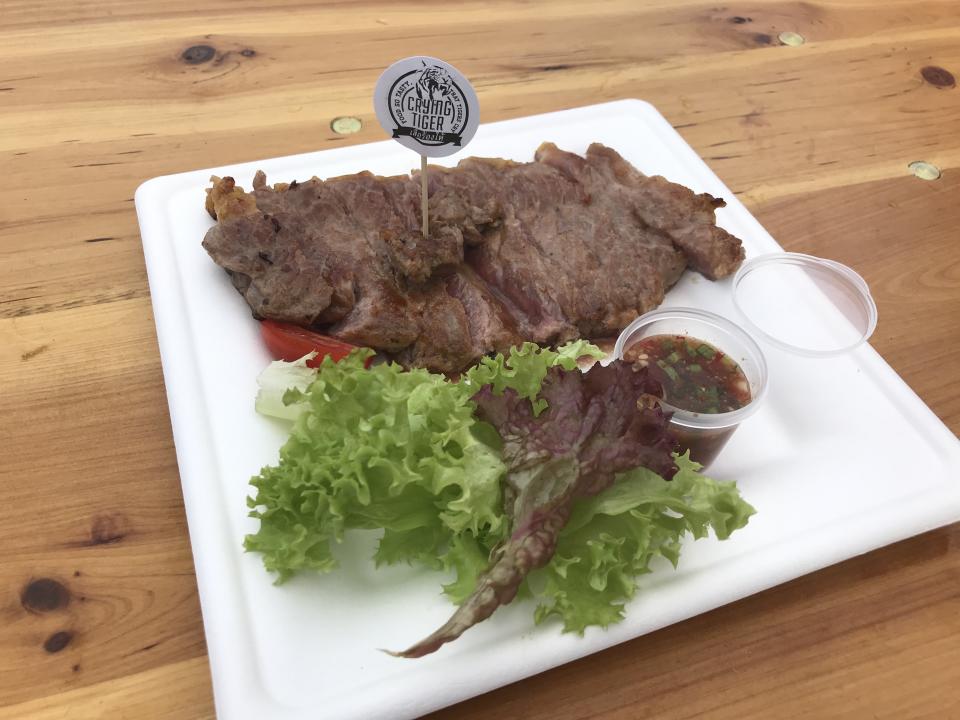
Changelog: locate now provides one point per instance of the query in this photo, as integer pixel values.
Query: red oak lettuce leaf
(597, 424)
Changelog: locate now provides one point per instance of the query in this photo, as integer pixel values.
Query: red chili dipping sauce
(696, 377)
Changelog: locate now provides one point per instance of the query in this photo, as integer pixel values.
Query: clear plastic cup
(703, 434)
(805, 305)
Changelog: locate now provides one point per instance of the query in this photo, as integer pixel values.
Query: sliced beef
(569, 254)
(561, 247)
(511, 258)
(688, 219)
(492, 326)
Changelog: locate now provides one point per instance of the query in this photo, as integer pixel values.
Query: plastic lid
(805, 304)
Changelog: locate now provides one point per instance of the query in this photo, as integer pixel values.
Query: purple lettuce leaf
(598, 424)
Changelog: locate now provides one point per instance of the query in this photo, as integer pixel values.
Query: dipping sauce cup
(703, 434)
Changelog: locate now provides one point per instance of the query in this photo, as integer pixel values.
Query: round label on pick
(427, 105)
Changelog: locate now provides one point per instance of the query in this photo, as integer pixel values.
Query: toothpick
(423, 195)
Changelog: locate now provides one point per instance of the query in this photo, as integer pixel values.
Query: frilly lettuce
(376, 448)
(524, 369)
(612, 537)
(594, 429)
(403, 451)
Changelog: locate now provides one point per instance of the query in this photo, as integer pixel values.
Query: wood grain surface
(99, 615)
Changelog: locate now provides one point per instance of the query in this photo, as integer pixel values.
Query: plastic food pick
(427, 105)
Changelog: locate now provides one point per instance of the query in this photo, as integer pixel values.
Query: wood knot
(58, 641)
(248, 52)
(107, 529)
(198, 54)
(44, 595)
(938, 77)
(740, 20)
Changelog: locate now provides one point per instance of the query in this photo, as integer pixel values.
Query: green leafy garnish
(377, 448)
(524, 369)
(404, 452)
(612, 538)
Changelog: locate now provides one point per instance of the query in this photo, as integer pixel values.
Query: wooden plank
(293, 71)
(176, 691)
(97, 580)
(392, 18)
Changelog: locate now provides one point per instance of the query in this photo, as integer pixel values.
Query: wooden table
(98, 606)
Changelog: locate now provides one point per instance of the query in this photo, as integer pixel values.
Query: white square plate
(843, 458)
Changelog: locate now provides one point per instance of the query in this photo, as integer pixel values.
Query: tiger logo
(427, 106)
(434, 83)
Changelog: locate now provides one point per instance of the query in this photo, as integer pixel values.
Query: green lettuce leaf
(524, 369)
(376, 448)
(611, 539)
(382, 447)
(593, 431)
(403, 452)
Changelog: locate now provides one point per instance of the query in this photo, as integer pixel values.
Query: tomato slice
(289, 342)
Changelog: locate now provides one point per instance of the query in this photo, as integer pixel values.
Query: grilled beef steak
(561, 247)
